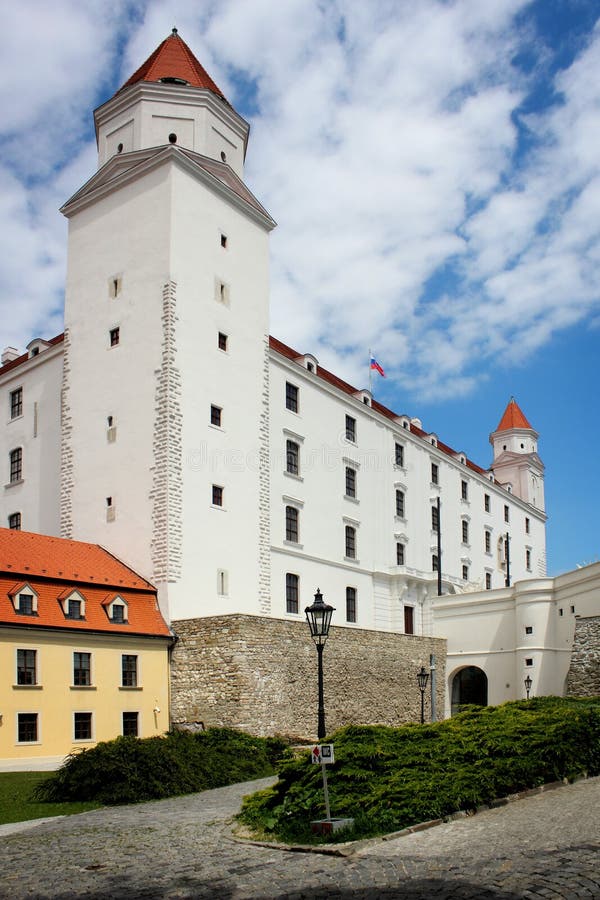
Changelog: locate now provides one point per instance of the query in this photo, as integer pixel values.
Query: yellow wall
(55, 698)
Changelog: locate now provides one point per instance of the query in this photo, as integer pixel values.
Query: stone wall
(583, 679)
(260, 674)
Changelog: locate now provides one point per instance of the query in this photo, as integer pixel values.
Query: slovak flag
(375, 365)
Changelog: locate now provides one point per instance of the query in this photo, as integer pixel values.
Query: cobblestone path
(545, 846)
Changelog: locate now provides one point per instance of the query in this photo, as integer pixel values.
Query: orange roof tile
(513, 417)
(174, 59)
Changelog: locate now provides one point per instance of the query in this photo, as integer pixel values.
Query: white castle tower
(517, 465)
(164, 399)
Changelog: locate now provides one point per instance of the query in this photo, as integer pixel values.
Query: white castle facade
(233, 472)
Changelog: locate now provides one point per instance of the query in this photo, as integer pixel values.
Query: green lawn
(17, 805)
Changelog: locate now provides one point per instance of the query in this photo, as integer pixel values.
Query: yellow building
(84, 651)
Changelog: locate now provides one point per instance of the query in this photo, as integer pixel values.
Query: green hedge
(128, 769)
(390, 778)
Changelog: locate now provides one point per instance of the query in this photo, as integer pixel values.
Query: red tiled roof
(174, 59)
(289, 353)
(25, 356)
(54, 568)
(513, 417)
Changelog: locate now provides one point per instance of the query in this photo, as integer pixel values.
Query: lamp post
(318, 617)
(528, 683)
(422, 679)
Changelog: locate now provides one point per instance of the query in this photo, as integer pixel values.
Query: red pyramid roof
(174, 59)
(513, 417)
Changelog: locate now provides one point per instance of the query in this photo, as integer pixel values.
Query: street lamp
(318, 617)
(528, 683)
(422, 679)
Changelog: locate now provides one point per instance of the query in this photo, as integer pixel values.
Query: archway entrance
(469, 685)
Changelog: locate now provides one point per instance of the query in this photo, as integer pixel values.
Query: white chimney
(8, 354)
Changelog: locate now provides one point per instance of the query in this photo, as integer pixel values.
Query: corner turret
(517, 465)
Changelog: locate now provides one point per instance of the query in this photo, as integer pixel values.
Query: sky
(434, 170)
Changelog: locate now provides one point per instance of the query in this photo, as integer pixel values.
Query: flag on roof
(375, 365)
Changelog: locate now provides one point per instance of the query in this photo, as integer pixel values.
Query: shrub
(129, 769)
(390, 778)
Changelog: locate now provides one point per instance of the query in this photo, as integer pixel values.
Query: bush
(390, 778)
(129, 769)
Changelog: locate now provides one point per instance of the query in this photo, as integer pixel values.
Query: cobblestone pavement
(544, 846)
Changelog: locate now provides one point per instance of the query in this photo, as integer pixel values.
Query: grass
(17, 803)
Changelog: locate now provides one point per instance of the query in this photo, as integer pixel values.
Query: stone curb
(348, 848)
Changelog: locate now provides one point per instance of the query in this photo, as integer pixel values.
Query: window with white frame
(486, 503)
(16, 403)
(351, 429)
(400, 553)
(465, 531)
(399, 454)
(82, 726)
(291, 524)
(435, 518)
(292, 463)
(27, 728)
(400, 504)
(131, 724)
(350, 482)
(25, 601)
(129, 670)
(292, 586)
(82, 668)
(350, 545)
(464, 490)
(14, 521)
(435, 473)
(291, 397)
(16, 465)
(26, 667)
(488, 541)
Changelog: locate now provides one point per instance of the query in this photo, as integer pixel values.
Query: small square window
(464, 490)
(291, 397)
(350, 604)
(14, 521)
(399, 455)
(129, 670)
(217, 495)
(216, 416)
(350, 429)
(529, 629)
(115, 336)
(130, 724)
(291, 524)
(528, 662)
(399, 554)
(16, 403)
(435, 473)
(82, 726)
(291, 593)
(350, 482)
(222, 341)
(27, 728)
(486, 502)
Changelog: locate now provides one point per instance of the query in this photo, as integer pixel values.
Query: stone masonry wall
(260, 675)
(583, 679)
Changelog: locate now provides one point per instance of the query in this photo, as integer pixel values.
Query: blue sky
(434, 170)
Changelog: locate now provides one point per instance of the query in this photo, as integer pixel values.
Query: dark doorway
(409, 620)
(469, 686)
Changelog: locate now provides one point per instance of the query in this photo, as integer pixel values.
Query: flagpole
(370, 374)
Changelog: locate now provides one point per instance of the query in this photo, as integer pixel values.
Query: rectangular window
(465, 532)
(350, 429)
(291, 524)
(14, 521)
(82, 726)
(400, 504)
(82, 669)
(350, 604)
(435, 563)
(74, 609)
(291, 593)
(506, 514)
(464, 490)
(16, 465)
(488, 542)
(399, 554)
(527, 525)
(350, 482)
(435, 473)
(291, 397)
(399, 455)
(129, 670)
(118, 614)
(115, 336)
(409, 620)
(435, 518)
(27, 728)
(25, 605)
(465, 573)
(486, 502)
(529, 629)
(223, 240)
(26, 667)
(217, 495)
(16, 403)
(350, 542)
(216, 415)
(130, 724)
(528, 559)
(528, 662)
(292, 450)
(222, 341)
(488, 581)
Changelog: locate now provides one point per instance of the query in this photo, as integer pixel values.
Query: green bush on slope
(128, 769)
(390, 778)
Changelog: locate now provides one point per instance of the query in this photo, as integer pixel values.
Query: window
(26, 667)
(350, 429)
(291, 593)
(465, 573)
(350, 542)
(464, 490)
(526, 525)
(291, 524)
(292, 458)
(399, 554)
(129, 670)
(488, 542)
(350, 604)
(529, 629)
(465, 531)
(486, 502)
(82, 726)
(216, 415)
(130, 724)
(435, 563)
(217, 495)
(221, 292)
(223, 240)
(14, 521)
(222, 582)
(115, 336)
(399, 455)
(82, 669)
(350, 482)
(528, 559)
(117, 614)
(400, 504)
(16, 465)
(74, 610)
(561, 612)
(488, 581)
(435, 473)
(409, 620)
(26, 605)
(528, 661)
(27, 728)
(16, 403)
(506, 514)
(222, 341)
(435, 518)
(291, 397)
(572, 609)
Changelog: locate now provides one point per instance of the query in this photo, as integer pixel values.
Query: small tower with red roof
(517, 464)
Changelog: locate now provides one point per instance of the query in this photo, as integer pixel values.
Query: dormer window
(116, 609)
(171, 79)
(73, 604)
(25, 600)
